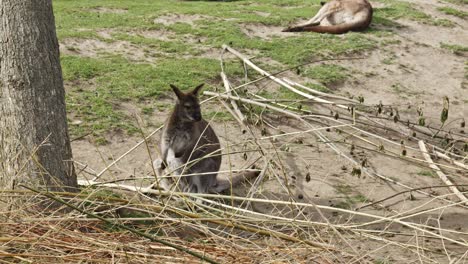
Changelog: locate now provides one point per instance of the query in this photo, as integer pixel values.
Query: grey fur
(189, 146)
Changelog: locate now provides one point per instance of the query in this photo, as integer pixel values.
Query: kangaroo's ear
(177, 91)
(197, 89)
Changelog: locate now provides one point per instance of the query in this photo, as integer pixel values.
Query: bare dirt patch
(109, 10)
(263, 31)
(94, 47)
(105, 33)
(178, 18)
(263, 14)
(433, 35)
(206, 52)
(164, 35)
(415, 75)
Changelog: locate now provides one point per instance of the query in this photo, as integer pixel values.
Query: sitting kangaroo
(189, 145)
(338, 17)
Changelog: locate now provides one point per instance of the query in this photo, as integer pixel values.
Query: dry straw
(142, 224)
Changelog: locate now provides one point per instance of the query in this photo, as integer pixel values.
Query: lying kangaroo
(190, 146)
(337, 17)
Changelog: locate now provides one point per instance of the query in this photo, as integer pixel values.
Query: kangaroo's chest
(181, 140)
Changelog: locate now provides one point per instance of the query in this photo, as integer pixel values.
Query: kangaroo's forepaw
(157, 164)
(165, 184)
(293, 29)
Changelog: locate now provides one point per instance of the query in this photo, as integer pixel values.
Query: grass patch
(430, 174)
(344, 189)
(452, 11)
(117, 81)
(457, 2)
(327, 73)
(351, 201)
(404, 10)
(99, 88)
(317, 87)
(217, 116)
(456, 49)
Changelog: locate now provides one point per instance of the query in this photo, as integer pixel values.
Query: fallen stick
(227, 86)
(279, 81)
(222, 184)
(310, 90)
(244, 100)
(452, 161)
(441, 175)
(234, 115)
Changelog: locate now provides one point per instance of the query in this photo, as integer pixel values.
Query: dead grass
(275, 218)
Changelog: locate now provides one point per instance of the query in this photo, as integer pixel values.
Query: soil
(95, 47)
(178, 18)
(414, 72)
(101, 9)
(263, 31)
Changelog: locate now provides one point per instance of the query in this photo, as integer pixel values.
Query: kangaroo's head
(187, 106)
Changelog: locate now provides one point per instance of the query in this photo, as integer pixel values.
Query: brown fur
(338, 17)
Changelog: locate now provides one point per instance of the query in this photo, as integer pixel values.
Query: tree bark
(34, 142)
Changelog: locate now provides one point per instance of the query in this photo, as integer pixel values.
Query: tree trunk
(34, 142)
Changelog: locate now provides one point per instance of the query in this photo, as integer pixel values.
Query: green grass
(454, 12)
(351, 201)
(404, 10)
(456, 49)
(217, 116)
(98, 88)
(457, 2)
(351, 197)
(344, 189)
(430, 174)
(118, 80)
(327, 73)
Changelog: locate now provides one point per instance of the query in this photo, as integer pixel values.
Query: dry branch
(441, 175)
(310, 90)
(279, 81)
(222, 183)
(452, 161)
(244, 100)
(227, 86)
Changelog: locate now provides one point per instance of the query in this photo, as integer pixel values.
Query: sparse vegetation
(327, 73)
(458, 2)
(427, 174)
(457, 49)
(452, 11)
(405, 10)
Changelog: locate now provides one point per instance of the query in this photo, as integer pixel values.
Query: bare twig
(442, 176)
(227, 86)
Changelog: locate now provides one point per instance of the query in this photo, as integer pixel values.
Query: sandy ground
(306, 170)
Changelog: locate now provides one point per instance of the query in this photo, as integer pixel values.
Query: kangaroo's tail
(225, 184)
